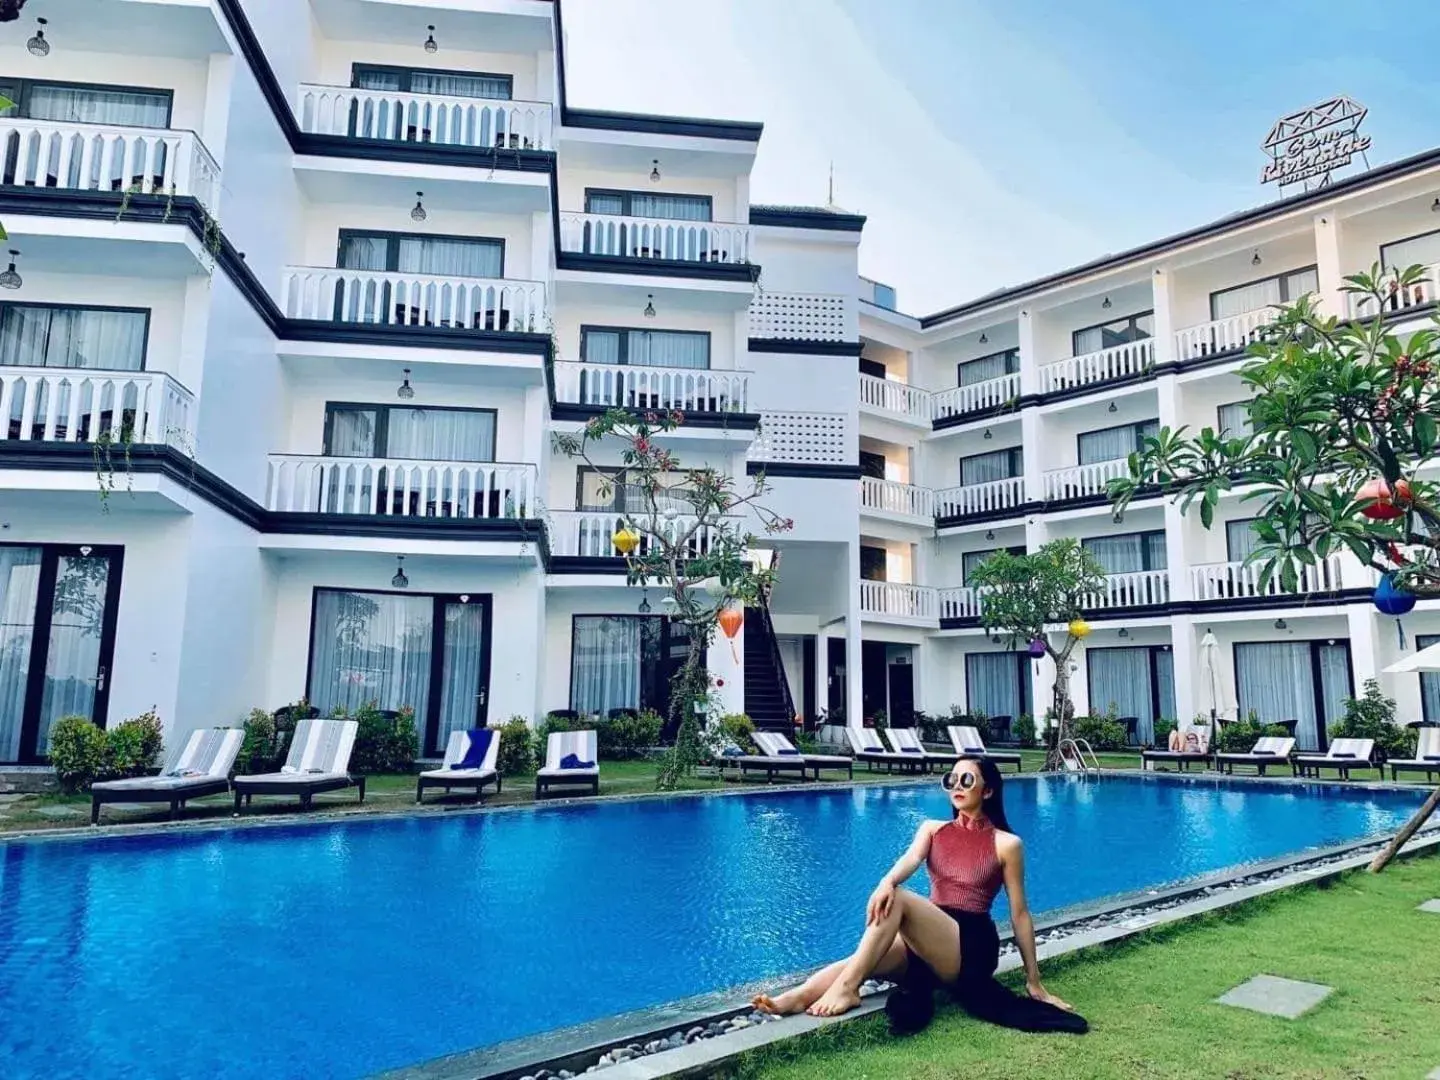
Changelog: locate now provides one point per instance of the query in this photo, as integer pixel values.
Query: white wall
(575, 179)
(726, 347)
(186, 79)
(1194, 284)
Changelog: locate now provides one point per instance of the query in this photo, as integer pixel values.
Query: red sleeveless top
(965, 872)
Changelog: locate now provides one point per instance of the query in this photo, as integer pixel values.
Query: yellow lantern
(1079, 628)
(626, 540)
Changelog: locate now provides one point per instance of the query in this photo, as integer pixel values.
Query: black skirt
(911, 1004)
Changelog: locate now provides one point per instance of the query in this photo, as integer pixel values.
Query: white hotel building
(309, 285)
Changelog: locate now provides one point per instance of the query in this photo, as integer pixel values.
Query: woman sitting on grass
(949, 940)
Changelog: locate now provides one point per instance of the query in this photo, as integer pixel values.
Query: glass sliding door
(19, 593)
(997, 684)
(1136, 681)
(624, 662)
(1299, 682)
(464, 669)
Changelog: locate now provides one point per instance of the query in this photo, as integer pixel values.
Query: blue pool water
(338, 950)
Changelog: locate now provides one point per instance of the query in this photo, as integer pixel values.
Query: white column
(822, 672)
(1164, 303)
(1185, 659)
(1029, 358)
(854, 696)
(1042, 689)
(1364, 643)
(542, 257)
(1033, 454)
(1327, 263)
(1177, 556)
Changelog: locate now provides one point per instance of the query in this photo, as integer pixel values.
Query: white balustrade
(80, 405)
(1419, 293)
(589, 534)
(104, 157)
(655, 238)
(637, 387)
(892, 497)
(1116, 362)
(392, 487)
(1236, 580)
(1078, 481)
(1142, 588)
(987, 498)
(895, 397)
(975, 397)
(962, 602)
(801, 317)
(395, 298)
(804, 438)
(1222, 335)
(891, 599)
(437, 119)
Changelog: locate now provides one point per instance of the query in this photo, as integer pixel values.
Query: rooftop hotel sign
(1306, 147)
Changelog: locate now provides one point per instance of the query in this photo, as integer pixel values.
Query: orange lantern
(626, 540)
(731, 619)
(1380, 503)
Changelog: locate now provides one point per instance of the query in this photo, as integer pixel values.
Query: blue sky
(992, 141)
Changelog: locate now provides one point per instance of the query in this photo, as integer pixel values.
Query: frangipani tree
(1020, 595)
(1343, 419)
(682, 531)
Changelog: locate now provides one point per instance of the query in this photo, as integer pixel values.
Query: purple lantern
(1037, 648)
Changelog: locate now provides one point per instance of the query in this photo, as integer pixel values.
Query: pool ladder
(1077, 760)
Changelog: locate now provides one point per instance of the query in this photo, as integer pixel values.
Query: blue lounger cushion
(789, 752)
(571, 761)
(479, 747)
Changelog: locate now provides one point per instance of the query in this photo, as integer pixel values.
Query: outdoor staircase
(767, 694)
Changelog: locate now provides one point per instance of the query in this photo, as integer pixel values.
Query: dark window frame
(1280, 277)
(1011, 356)
(382, 424)
(626, 331)
(1322, 730)
(1136, 426)
(1153, 659)
(5, 305)
(1017, 454)
(987, 552)
(884, 562)
(407, 72)
(660, 677)
(23, 87)
(1424, 641)
(1131, 319)
(1144, 548)
(1229, 547)
(612, 472)
(883, 370)
(627, 195)
(1024, 683)
(1219, 424)
(1384, 263)
(392, 240)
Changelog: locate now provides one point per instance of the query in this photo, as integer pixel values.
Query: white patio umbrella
(1210, 676)
(1427, 659)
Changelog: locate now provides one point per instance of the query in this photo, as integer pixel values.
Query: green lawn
(1150, 1002)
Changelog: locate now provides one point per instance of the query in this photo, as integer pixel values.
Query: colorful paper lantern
(1380, 503)
(626, 540)
(1037, 648)
(1391, 599)
(1079, 628)
(731, 619)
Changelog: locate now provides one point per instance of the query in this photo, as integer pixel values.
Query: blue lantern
(1391, 599)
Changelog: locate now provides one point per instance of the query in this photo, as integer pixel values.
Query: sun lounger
(571, 760)
(202, 767)
(871, 750)
(1271, 750)
(732, 757)
(906, 741)
(1149, 758)
(1426, 759)
(774, 745)
(449, 776)
(968, 744)
(319, 760)
(1343, 755)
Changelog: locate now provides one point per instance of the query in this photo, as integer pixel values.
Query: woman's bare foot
(838, 999)
(786, 1004)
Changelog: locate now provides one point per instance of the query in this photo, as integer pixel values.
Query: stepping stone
(60, 811)
(1274, 996)
(1433, 1074)
(1432, 906)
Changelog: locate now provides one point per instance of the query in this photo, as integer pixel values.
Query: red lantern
(1379, 502)
(731, 619)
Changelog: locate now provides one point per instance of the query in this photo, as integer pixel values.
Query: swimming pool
(341, 949)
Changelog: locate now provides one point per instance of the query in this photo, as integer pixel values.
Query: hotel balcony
(660, 247)
(691, 390)
(1237, 581)
(893, 602)
(408, 120)
(891, 499)
(589, 534)
(1083, 481)
(894, 400)
(1141, 588)
(990, 499)
(816, 317)
(1118, 362)
(401, 490)
(1418, 297)
(70, 405)
(1233, 334)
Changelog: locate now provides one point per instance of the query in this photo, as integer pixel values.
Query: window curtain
(1165, 684)
(453, 258)
(1429, 682)
(1111, 444)
(602, 203)
(1121, 679)
(441, 435)
(971, 559)
(670, 207)
(1241, 539)
(1245, 298)
(19, 596)
(473, 86)
(992, 683)
(86, 105)
(985, 468)
(602, 346)
(460, 673)
(1275, 680)
(352, 433)
(1234, 420)
(364, 252)
(1334, 681)
(986, 368)
(72, 659)
(72, 337)
(371, 647)
(1299, 283)
(605, 662)
(1118, 554)
(666, 348)
(1421, 250)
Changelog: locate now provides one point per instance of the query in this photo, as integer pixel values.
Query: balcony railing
(1222, 335)
(800, 317)
(1420, 293)
(590, 534)
(76, 405)
(1142, 588)
(655, 238)
(404, 117)
(1107, 365)
(390, 487)
(804, 438)
(975, 397)
(395, 298)
(1236, 580)
(988, 498)
(102, 157)
(962, 602)
(890, 396)
(1078, 481)
(892, 600)
(635, 387)
(892, 497)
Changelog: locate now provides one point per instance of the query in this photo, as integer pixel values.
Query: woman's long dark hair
(994, 804)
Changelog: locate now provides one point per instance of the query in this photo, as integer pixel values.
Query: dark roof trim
(794, 217)
(694, 418)
(1394, 170)
(1343, 597)
(670, 268)
(802, 470)
(801, 347)
(1038, 507)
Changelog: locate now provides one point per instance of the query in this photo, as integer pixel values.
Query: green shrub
(628, 735)
(1372, 716)
(1101, 732)
(384, 744)
(1024, 729)
(1163, 728)
(1239, 737)
(132, 747)
(77, 751)
(738, 729)
(260, 748)
(517, 747)
(880, 720)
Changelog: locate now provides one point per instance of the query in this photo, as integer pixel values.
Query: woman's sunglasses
(964, 781)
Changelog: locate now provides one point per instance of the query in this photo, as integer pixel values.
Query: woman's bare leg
(926, 929)
(800, 998)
